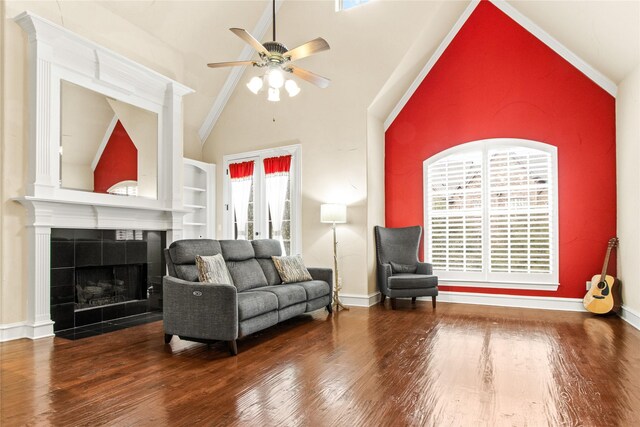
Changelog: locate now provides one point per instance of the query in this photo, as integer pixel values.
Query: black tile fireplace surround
(103, 275)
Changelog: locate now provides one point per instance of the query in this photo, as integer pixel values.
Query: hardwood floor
(459, 365)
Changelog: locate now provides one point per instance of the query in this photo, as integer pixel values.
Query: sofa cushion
(246, 274)
(266, 248)
(291, 311)
(252, 304)
(287, 294)
(291, 268)
(258, 323)
(270, 271)
(185, 251)
(314, 288)
(188, 272)
(412, 281)
(317, 303)
(237, 250)
(212, 269)
(182, 254)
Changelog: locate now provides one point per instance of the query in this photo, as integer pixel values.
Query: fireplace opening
(98, 286)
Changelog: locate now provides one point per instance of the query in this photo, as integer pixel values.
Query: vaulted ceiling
(606, 34)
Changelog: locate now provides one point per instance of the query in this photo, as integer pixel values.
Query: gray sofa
(208, 312)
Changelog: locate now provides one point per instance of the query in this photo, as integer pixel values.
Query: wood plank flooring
(461, 365)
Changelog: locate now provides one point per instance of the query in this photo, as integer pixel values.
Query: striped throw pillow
(291, 269)
(212, 269)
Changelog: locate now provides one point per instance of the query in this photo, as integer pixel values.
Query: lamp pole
(336, 286)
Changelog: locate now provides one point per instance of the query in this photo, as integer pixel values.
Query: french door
(262, 196)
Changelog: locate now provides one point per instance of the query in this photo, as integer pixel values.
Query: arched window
(124, 188)
(491, 214)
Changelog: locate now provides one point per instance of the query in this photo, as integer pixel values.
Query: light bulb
(276, 78)
(255, 84)
(274, 94)
(292, 88)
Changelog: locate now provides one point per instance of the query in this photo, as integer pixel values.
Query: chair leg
(413, 300)
(393, 303)
(382, 299)
(233, 347)
(329, 308)
(433, 301)
(167, 338)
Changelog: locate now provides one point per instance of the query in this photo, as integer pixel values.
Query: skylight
(348, 4)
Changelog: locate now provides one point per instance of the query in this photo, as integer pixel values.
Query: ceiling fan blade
(317, 80)
(248, 38)
(307, 49)
(230, 64)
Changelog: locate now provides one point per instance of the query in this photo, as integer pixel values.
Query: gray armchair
(399, 273)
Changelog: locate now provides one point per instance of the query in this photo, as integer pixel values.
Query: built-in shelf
(199, 197)
(186, 187)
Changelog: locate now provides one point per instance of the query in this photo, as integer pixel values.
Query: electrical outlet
(588, 284)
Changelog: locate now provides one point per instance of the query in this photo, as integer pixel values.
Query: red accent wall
(496, 80)
(119, 161)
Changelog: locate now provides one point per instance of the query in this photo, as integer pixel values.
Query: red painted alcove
(496, 80)
(119, 161)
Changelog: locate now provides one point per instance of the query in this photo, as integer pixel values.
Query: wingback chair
(399, 273)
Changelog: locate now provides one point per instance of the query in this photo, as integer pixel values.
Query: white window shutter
(520, 211)
(454, 212)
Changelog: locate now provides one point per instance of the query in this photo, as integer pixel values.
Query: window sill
(499, 285)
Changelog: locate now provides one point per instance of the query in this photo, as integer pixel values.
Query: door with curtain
(262, 198)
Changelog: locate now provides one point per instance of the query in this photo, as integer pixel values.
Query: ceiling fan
(277, 58)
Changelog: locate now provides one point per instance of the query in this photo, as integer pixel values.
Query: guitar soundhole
(604, 288)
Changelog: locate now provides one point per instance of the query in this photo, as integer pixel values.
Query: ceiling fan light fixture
(292, 88)
(255, 84)
(274, 94)
(276, 78)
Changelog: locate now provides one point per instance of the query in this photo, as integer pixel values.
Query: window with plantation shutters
(491, 214)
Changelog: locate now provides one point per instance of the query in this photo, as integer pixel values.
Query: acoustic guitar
(602, 296)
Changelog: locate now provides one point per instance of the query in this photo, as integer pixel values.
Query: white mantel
(57, 54)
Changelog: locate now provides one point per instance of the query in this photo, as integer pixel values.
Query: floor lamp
(334, 214)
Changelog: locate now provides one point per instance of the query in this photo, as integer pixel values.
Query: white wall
(628, 178)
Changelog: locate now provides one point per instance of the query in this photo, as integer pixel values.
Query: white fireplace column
(39, 322)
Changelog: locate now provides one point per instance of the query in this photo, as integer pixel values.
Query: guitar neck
(605, 265)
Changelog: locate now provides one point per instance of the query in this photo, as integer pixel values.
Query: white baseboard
(630, 316)
(15, 331)
(543, 303)
(359, 300)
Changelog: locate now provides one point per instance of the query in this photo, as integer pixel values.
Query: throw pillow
(291, 269)
(403, 268)
(212, 269)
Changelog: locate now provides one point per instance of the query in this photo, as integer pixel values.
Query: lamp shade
(333, 213)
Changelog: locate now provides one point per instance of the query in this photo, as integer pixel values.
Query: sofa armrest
(200, 310)
(424, 268)
(321, 273)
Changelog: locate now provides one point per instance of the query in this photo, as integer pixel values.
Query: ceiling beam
(236, 73)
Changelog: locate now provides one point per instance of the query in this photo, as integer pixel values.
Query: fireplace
(96, 286)
(104, 275)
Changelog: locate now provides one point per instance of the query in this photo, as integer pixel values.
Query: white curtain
(240, 194)
(241, 183)
(276, 189)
